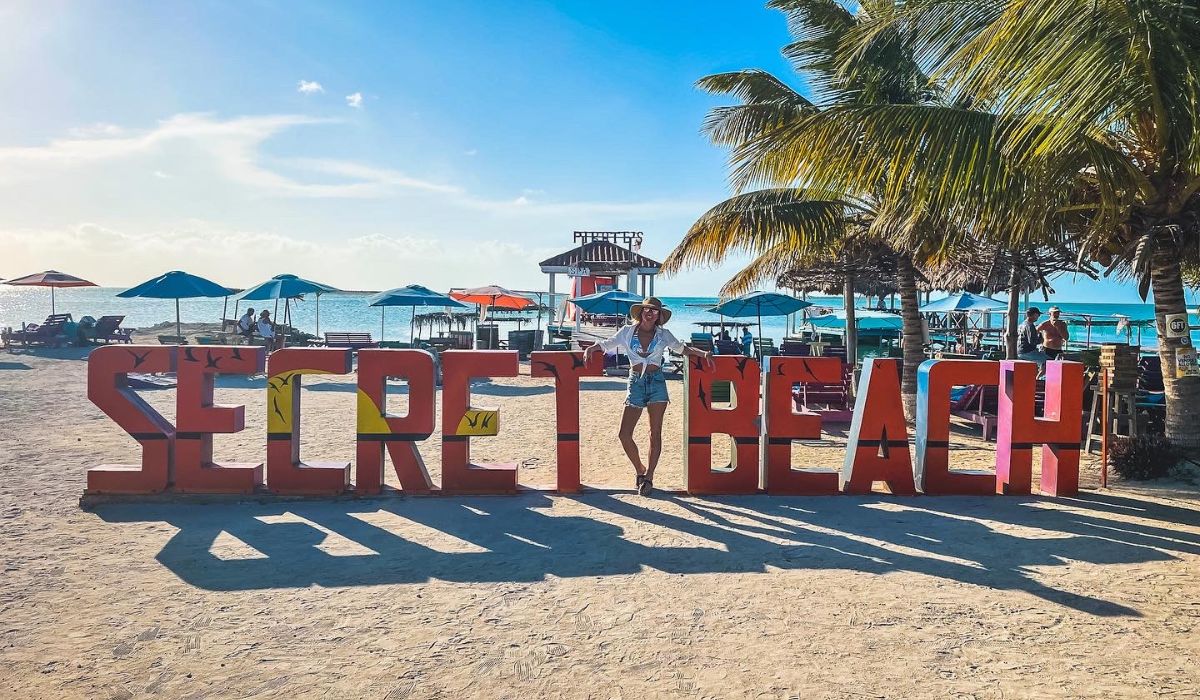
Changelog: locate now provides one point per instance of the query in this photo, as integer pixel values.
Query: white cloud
(355, 100)
(161, 175)
(309, 87)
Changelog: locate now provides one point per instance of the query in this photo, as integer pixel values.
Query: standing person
(246, 324)
(747, 342)
(1029, 339)
(645, 341)
(1054, 334)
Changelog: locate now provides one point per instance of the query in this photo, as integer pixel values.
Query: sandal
(641, 478)
(646, 486)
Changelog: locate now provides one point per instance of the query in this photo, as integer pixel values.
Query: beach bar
(600, 261)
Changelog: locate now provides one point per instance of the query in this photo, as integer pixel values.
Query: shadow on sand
(521, 539)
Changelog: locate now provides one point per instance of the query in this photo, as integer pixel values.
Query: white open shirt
(627, 343)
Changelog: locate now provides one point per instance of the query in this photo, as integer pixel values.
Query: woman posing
(645, 341)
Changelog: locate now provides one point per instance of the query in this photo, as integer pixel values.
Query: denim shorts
(647, 388)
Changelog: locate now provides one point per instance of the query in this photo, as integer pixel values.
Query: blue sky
(366, 145)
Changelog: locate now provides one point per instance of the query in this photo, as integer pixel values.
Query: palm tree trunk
(912, 337)
(1182, 394)
(851, 329)
(1014, 308)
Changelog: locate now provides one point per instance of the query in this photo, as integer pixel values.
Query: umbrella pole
(236, 318)
(382, 313)
(178, 332)
(224, 308)
(318, 315)
(760, 335)
(52, 310)
(412, 318)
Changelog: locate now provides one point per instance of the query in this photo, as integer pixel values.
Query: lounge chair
(172, 340)
(50, 332)
(764, 347)
(108, 330)
(703, 341)
(795, 348)
(354, 341)
(977, 404)
(830, 401)
(727, 347)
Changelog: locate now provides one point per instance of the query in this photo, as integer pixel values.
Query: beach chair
(703, 341)
(49, 333)
(108, 330)
(727, 347)
(172, 340)
(354, 341)
(977, 404)
(764, 347)
(830, 401)
(795, 348)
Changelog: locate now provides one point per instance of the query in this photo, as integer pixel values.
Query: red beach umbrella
(52, 279)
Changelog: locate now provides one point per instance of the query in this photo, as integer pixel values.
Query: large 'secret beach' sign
(180, 457)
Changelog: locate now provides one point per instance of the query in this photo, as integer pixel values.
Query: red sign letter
(566, 368)
(1059, 432)
(378, 429)
(197, 419)
(878, 446)
(285, 472)
(934, 381)
(460, 421)
(783, 425)
(108, 388)
(740, 423)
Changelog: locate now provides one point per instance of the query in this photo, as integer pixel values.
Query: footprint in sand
(122, 650)
(401, 692)
(191, 642)
(584, 624)
(149, 634)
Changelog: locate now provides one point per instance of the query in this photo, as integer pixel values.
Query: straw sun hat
(664, 314)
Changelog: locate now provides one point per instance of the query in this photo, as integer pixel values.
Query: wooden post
(1104, 429)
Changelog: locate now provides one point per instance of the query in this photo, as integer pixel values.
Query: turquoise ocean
(348, 311)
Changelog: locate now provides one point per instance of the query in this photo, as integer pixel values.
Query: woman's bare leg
(657, 411)
(628, 422)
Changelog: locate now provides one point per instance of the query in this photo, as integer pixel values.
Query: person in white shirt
(266, 328)
(246, 323)
(645, 341)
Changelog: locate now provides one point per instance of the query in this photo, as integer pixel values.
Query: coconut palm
(1062, 118)
(788, 221)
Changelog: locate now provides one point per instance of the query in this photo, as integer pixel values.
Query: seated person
(724, 334)
(246, 323)
(266, 327)
(1029, 338)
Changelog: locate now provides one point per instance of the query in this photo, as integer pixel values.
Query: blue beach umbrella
(413, 295)
(176, 285)
(963, 301)
(760, 304)
(287, 287)
(614, 301)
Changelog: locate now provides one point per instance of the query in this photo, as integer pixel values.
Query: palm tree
(1065, 120)
(788, 221)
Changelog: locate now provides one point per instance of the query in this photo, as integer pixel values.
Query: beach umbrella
(288, 287)
(492, 296)
(614, 301)
(963, 301)
(863, 320)
(413, 295)
(759, 304)
(52, 279)
(176, 285)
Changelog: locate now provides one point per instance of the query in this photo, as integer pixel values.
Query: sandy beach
(604, 595)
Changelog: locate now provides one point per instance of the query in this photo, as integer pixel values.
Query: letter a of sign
(566, 368)
(108, 388)
(285, 472)
(878, 446)
(197, 419)
(379, 430)
(702, 420)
